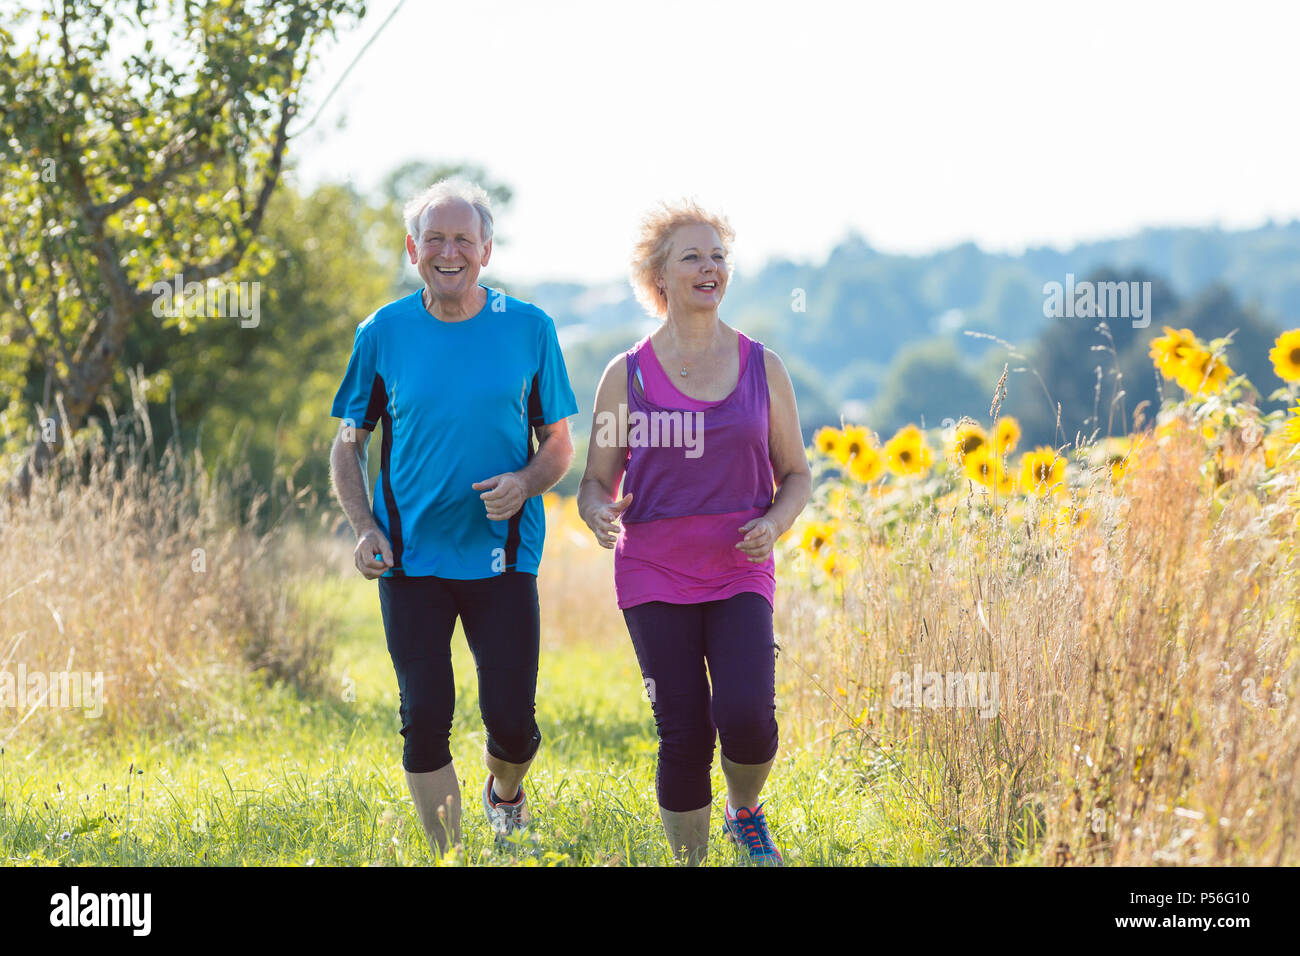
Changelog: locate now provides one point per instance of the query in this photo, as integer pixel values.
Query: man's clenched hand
(503, 495)
(371, 543)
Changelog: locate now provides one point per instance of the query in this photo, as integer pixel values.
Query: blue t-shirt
(458, 402)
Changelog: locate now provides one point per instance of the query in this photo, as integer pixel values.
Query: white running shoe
(505, 817)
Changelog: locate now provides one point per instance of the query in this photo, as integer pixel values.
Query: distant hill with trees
(887, 339)
(882, 339)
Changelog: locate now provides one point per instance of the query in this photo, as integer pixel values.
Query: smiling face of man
(450, 252)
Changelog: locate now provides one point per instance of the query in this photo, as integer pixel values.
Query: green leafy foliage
(142, 141)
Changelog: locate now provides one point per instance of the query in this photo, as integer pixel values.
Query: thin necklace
(680, 352)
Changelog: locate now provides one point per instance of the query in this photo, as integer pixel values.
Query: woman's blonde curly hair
(654, 240)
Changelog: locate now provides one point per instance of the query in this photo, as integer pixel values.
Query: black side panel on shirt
(535, 416)
(386, 451)
(378, 402)
(535, 419)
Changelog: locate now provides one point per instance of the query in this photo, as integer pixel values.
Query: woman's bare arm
(789, 464)
(606, 457)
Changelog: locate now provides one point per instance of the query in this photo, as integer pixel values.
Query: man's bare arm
(552, 459)
(349, 480)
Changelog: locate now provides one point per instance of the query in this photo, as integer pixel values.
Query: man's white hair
(442, 191)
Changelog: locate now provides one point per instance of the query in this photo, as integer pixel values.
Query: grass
(1143, 629)
(1141, 617)
(290, 779)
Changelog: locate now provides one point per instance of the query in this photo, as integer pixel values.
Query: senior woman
(700, 424)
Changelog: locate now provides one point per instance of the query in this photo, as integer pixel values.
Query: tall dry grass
(172, 584)
(1147, 660)
(175, 585)
(575, 583)
(1147, 664)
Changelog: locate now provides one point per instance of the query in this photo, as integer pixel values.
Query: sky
(916, 125)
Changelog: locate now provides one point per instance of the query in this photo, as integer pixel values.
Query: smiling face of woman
(695, 275)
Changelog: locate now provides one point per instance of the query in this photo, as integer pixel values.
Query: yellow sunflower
(1042, 471)
(816, 536)
(979, 466)
(1201, 371)
(1006, 436)
(1004, 481)
(988, 469)
(967, 439)
(1112, 454)
(907, 453)
(827, 441)
(1291, 427)
(1285, 356)
(831, 564)
(853, 441)
(1164, 350)
(1274, 445)
(867, 465)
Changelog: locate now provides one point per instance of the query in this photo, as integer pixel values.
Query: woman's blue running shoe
(748, 830)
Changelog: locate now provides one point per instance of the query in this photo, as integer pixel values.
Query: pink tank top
(695, 479)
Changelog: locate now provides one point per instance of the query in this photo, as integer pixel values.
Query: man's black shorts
(502, 627)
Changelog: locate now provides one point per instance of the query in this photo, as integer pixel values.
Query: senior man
(461, 376)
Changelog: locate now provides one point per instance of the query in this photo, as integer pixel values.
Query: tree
(1081, 364)
(264, 394)
(1100, 371)
(267, 391)
(927, 383)
(130, 171)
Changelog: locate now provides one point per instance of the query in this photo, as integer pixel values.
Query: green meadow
(288, 779)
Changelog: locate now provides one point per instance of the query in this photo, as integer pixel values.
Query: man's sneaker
(748, 830)
(505, 817)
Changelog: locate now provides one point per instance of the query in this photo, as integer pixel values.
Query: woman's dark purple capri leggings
(673, 643)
